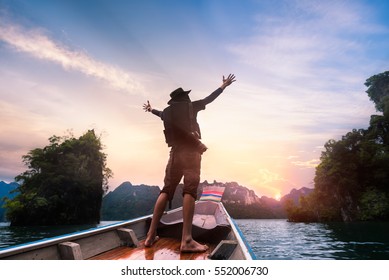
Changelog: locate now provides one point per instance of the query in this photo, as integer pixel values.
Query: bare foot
(193, 247)
(150, 240)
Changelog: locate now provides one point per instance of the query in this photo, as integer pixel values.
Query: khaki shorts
(183, 162)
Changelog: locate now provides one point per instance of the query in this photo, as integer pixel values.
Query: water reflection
(278, 239)
(362, 240)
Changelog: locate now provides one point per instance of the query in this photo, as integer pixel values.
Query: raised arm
(226, 82)
(147, 107)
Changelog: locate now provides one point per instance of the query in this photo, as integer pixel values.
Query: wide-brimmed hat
(178, 94)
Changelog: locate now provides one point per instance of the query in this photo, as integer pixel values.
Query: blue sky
(300, 67)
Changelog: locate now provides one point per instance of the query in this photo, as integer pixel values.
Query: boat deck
(163, 249)
(211, 225)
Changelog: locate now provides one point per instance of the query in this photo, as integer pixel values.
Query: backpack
(179, 123)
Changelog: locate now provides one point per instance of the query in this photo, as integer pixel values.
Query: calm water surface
(11, 236)
(280, 240)
(269, 239)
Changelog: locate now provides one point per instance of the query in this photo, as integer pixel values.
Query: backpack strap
(191, 116)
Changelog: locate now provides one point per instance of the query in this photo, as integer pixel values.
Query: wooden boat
(212, 225)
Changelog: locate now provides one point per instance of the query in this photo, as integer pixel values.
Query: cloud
(307, 164)
(38, 44)
(318, 43)
(270, 183)
(307, 62)
(292, 157)
(266, 176)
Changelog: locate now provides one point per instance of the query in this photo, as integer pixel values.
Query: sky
(300, 66)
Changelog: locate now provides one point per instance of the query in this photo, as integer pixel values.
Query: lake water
(281, 240)
(10, 236)
(269, 239)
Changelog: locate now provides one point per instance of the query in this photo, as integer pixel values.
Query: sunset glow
(300, 69)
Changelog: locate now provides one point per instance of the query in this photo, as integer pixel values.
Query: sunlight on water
(281, 240)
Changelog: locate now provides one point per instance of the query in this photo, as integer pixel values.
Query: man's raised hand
(147, 107)
(226, 82)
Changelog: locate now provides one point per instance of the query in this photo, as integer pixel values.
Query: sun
(277, 196)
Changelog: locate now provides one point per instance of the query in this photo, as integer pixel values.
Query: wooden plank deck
(163, 249)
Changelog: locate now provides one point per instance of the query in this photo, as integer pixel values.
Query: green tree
(378, 91)
(374, 205)
(304, 212)
(340, 176)
(64, 183)
(352, 179)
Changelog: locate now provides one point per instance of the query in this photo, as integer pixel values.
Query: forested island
(352, 179)
(64, 183)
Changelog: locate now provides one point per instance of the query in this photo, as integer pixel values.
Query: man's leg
(188, 244)
(159, 208)
(173, 176)
(192, 163)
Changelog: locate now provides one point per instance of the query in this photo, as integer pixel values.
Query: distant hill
(5, 191)
(131, 201)
(128, 201)
(243, 203)
(295, 195)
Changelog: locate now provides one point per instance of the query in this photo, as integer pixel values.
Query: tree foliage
(64, 183)
(378, 91)
(352, 179)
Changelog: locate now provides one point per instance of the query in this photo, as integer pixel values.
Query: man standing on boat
(182, 133)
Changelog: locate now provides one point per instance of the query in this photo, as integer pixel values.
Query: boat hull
(211, 225)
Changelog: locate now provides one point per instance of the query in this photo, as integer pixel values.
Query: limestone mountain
(129, 201)
(295, 195)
